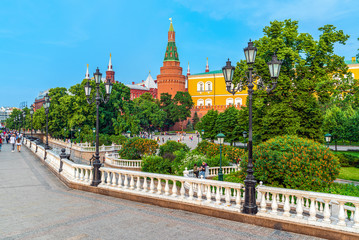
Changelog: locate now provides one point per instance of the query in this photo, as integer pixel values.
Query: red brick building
(149, 85)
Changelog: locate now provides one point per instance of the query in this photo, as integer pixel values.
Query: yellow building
(209, 89)
(353, 67)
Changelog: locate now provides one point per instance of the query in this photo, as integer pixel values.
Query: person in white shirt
(12, 141)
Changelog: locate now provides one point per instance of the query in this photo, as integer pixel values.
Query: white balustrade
(113, 159)
(314, 208)
(213, 171)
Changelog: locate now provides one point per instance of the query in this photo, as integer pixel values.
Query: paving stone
(34, 204)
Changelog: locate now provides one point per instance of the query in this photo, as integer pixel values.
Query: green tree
(208, 124)
(39, 119)
(225, 122)
(183, 104)
(168, 106)
(305, 81)
(195, 120)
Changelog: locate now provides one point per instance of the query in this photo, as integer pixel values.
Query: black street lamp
(23, 121)
(250, 206)
(98, 99)
(79, 138)
(31, 114)
(328, 137)
(245, 137)
(128, 134)
(64, 135)
(220, 137)
(94, 135)
(47, 107)
(202, 135)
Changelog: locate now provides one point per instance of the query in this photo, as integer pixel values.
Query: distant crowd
(11, 137)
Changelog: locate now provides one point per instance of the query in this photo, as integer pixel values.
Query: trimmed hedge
(293, 162)
(136, 147)
(209, 149)
(347, 160)
(171, 147)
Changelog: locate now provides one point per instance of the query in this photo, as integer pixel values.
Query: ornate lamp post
(64, 135)
(250, 206)
(245, 137)
(128, 134)
(79, 138)
(23, 121)
(47, 106)
(220, 137)
(98, 99)
(94, 135)
(31, 114)
(202, 131)
(328, 137)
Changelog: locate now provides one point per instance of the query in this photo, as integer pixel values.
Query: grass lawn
(349, 173)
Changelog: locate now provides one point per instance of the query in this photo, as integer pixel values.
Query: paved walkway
(34, 204)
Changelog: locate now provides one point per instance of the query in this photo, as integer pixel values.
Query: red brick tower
(110, 74)
(171, 79)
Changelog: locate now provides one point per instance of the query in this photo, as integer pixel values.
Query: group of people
(11, 137)
(202, 171)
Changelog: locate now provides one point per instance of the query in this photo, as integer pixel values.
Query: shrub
(135, 148)
(156, 164)
(348, 160)
(187, 160)
(171, 147)
(233, 154)
(118, 139)
(293, 162)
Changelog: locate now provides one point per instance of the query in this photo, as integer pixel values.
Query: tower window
(208, 86)
(200, 86)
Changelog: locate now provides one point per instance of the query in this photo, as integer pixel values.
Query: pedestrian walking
(18, 144)
(0, 142)
(12, 141)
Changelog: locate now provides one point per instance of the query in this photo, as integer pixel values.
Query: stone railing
(213, 171)
(313, 208)
(73, 172)
(215, 194)
(113, 159)
(85, 147)
(329, 211)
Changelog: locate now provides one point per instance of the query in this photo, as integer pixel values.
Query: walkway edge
(218, 213)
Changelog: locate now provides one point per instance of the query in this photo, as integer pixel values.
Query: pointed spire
(110, 64)
(171, 26)
(207, 67)
(87, 73)
(188, 71)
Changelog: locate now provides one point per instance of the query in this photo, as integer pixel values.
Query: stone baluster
(182, 191)
(190, 192)
(199, 192)
(218, 195)
(356, 216)
(86, 175)
(125, 183)
(132, 182)
(312, 210)
(274, 203)
(144, 186)
(108, 178)
(264, 202)
(299, 208)
(159, 186)
(102, 177)
(113, 180)
(228, 196)
(152, 185)
(209, 194)
(174, 189)
(119, 183)
(138, 184)
(82, 175)
(341, 214)
(326, 212)
(75, 173)
(286, 206)
(167, 189)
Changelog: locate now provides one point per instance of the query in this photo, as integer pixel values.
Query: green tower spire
(171, 50)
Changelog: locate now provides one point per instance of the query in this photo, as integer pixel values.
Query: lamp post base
(250, 205)
(220, 176)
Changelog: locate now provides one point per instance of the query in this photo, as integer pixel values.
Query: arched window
(200, 102)
(238, 101)
(200, 87)
(208, 86)
(208, 102)
(229, 101)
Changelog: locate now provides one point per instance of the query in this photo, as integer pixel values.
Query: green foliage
(293, 162)
(305, 82)
(195, 120)
(135, 148)
(156, 164)
(172, 146)
(208, 124)
(343, 189)
(210, 149)
(225, 122)
(349, 173)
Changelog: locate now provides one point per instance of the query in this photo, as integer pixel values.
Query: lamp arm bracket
(89, 101)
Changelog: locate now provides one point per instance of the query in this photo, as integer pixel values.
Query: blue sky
(45, 44)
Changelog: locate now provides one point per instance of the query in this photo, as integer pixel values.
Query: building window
(238, 101)
(200, 102)
(229, 101)
(208, 102)
(200, 87)
(208, 86)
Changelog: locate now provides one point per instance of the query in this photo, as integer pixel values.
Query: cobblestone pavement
(34, 204)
